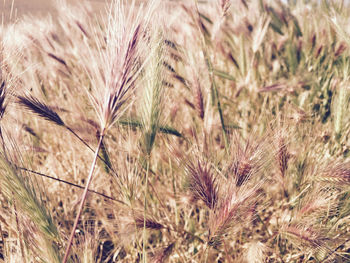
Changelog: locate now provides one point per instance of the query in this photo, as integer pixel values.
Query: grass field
(175, 131)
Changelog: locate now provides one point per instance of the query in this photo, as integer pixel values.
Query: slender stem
(81, 206)
(280, 249)
(175, 196)
(79, 138)
(88, 146)
(71, 184)
(144, 256)
(227, 254)
(335, 250)
(20, 234)
(155, 193)
(101, 253)
(206, 253)
(153, 189)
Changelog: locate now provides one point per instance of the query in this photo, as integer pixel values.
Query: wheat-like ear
(203, 183)
(249, 158)
(123, 55)
(232, 209)
(41, 109)
(306, 236)
(147, 222)
(152, 95)
(335, 173)
(123, 61)
(162, 255)
(47, 112)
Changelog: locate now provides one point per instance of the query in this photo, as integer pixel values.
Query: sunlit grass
(176, 131)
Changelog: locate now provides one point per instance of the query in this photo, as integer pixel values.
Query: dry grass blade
(41, 109)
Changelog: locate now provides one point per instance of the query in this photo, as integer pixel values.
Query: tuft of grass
(41, 233)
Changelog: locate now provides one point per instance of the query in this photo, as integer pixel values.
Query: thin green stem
(90, 148)
(144, 243)
(81, 206)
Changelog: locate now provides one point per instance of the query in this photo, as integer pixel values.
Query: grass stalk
(144, 243)
(206, 253)
(175, 194)
(82, 202)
